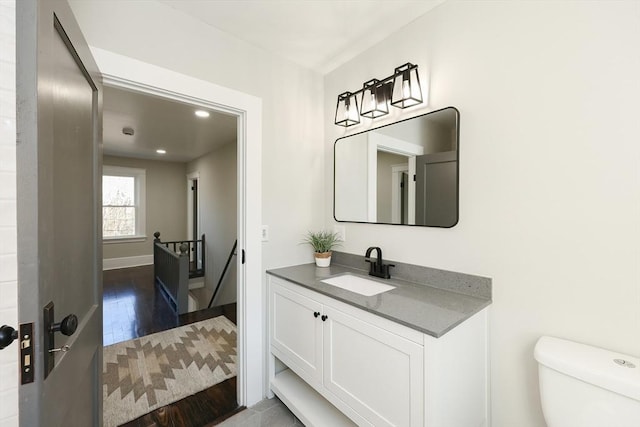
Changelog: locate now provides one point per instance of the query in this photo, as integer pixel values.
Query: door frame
(381, 142)
(129, 73)
(193, 176)
(396, 178)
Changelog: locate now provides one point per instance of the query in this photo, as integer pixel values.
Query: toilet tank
(584, 386)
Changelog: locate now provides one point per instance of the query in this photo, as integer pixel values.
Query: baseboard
(196, 283)
(125, 262)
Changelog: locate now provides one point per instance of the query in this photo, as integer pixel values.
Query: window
(123, 200)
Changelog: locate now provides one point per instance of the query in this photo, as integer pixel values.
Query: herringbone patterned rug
(146, 373)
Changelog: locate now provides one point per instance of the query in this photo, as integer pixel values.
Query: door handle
(68, 325)
(7, 336)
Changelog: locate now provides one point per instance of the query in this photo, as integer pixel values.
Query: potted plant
(322, 243)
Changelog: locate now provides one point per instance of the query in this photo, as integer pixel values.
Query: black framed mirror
(404, 173)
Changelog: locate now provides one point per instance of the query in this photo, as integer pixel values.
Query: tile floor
(267, 413)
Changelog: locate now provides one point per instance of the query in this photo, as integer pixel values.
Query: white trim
(381, 142)
(122, 171)
(196, 283)
(396, 173)
(126, 262)
(190, 178)
(372, 180)
(393, 145)
(128, 73)
(124, 239)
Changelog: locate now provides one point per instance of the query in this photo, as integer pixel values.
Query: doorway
(193, 215)
(68, 375)
(127, 73)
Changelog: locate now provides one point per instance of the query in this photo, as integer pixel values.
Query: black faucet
(377, 267)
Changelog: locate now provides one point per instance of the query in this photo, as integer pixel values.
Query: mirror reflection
(403, 173)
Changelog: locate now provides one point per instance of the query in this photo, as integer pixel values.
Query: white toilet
(584, 386)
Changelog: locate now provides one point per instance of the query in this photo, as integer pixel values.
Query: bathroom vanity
(413, 355)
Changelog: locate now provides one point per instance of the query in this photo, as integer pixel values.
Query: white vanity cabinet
(373, 370)
(376, 372)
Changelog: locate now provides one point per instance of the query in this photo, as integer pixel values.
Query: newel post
(184, 248)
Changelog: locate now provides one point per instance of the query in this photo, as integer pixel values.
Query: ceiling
(316, 34)
(161, 124)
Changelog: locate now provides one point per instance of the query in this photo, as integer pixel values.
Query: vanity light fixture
(347, 110)
(402, 90)
(161, 151)
(202, 113)
(406, 86)
(375, 99)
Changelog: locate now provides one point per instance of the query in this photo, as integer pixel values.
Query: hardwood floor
(206, 408)
(135, 307)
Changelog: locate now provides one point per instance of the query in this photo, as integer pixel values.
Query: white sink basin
(358, 284)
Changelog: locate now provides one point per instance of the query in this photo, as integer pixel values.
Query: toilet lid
(593, 365)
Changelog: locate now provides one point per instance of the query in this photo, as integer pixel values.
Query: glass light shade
(406, 86)
(347, 113)
(374, 102)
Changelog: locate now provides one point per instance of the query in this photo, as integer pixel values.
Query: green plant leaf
(322, 241)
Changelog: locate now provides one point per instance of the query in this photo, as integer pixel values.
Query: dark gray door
(437, 189)
(59, 220)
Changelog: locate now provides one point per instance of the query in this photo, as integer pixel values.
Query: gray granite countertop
(420, 306)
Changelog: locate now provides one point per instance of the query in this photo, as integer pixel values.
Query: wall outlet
(340, 230)
(264, 233)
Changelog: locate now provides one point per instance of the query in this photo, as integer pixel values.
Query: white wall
(352, 172)
(292, 99)
(217, 189)
(8, 249)
(549, 157)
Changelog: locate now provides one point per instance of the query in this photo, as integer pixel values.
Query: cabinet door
(377, 373)
(296, 332)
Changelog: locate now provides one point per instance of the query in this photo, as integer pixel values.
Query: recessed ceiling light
(161, 151)
(202, 113)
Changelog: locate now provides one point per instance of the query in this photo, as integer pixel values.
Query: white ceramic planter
(323, 259)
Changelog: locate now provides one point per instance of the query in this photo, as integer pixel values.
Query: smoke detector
(127, 131)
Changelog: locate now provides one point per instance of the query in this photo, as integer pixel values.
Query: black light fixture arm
(387, 81)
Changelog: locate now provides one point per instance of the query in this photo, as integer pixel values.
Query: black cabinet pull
(324, 317)
(316, 314)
